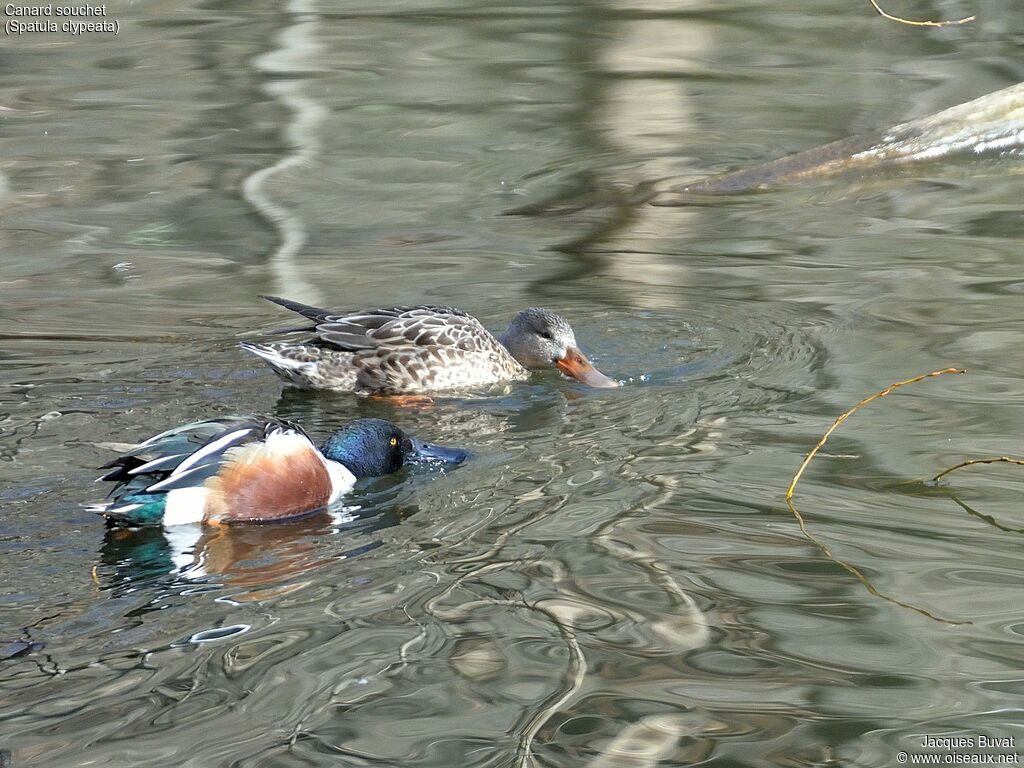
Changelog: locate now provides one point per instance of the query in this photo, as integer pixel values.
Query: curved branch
(901, 20)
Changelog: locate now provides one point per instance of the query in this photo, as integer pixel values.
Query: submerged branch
(826, 550)
(992, 125)
(982, 516)
(852, 569)
(970, 463)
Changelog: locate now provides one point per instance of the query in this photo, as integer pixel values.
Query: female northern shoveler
(415, 350)
(252, 469)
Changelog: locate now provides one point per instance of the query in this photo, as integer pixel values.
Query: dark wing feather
(180, 441)
(313, 313)
(191, 477)
(187, 455)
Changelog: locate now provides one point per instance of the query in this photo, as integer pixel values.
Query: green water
(615, 580)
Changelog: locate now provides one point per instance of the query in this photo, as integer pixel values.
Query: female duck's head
(538, 339)
(373, 447)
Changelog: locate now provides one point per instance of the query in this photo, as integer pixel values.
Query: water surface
(616, 580)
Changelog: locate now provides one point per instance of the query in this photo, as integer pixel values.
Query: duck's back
(392, 350)
(425, 349)
(220, 471)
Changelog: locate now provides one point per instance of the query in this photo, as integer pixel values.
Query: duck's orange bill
(575, 364)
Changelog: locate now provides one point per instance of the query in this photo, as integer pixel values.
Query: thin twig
(901, 20)
(972, 462)
(824, 547)
(860, 576)
(845, 416)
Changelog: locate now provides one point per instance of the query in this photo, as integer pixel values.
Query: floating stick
(889, 16)
(824, 547)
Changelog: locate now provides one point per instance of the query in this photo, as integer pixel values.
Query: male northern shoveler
(252, 469)
(416, 350)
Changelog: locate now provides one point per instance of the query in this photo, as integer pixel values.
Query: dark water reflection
(615, 580)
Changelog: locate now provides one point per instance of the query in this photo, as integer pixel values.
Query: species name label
(74, 20)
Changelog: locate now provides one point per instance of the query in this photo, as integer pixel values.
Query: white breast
(341, 479)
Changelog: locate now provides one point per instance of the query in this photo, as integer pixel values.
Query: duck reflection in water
(266, 559)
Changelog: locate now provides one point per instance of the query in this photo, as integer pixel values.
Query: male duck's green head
(372, 447)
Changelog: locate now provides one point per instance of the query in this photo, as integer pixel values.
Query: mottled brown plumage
(421, 349)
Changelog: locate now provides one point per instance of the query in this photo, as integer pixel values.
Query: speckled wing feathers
(367, 330)
(432, 348)
(393, 350)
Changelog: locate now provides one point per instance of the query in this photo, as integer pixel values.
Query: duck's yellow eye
(394, 441)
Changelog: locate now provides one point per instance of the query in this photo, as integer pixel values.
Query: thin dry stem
(845, 416)
(901, 20)
(972, 462)
(824, 547)
(860, 576)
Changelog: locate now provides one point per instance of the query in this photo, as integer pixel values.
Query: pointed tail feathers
(131, 511)
(316, 314)
(296, 365)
